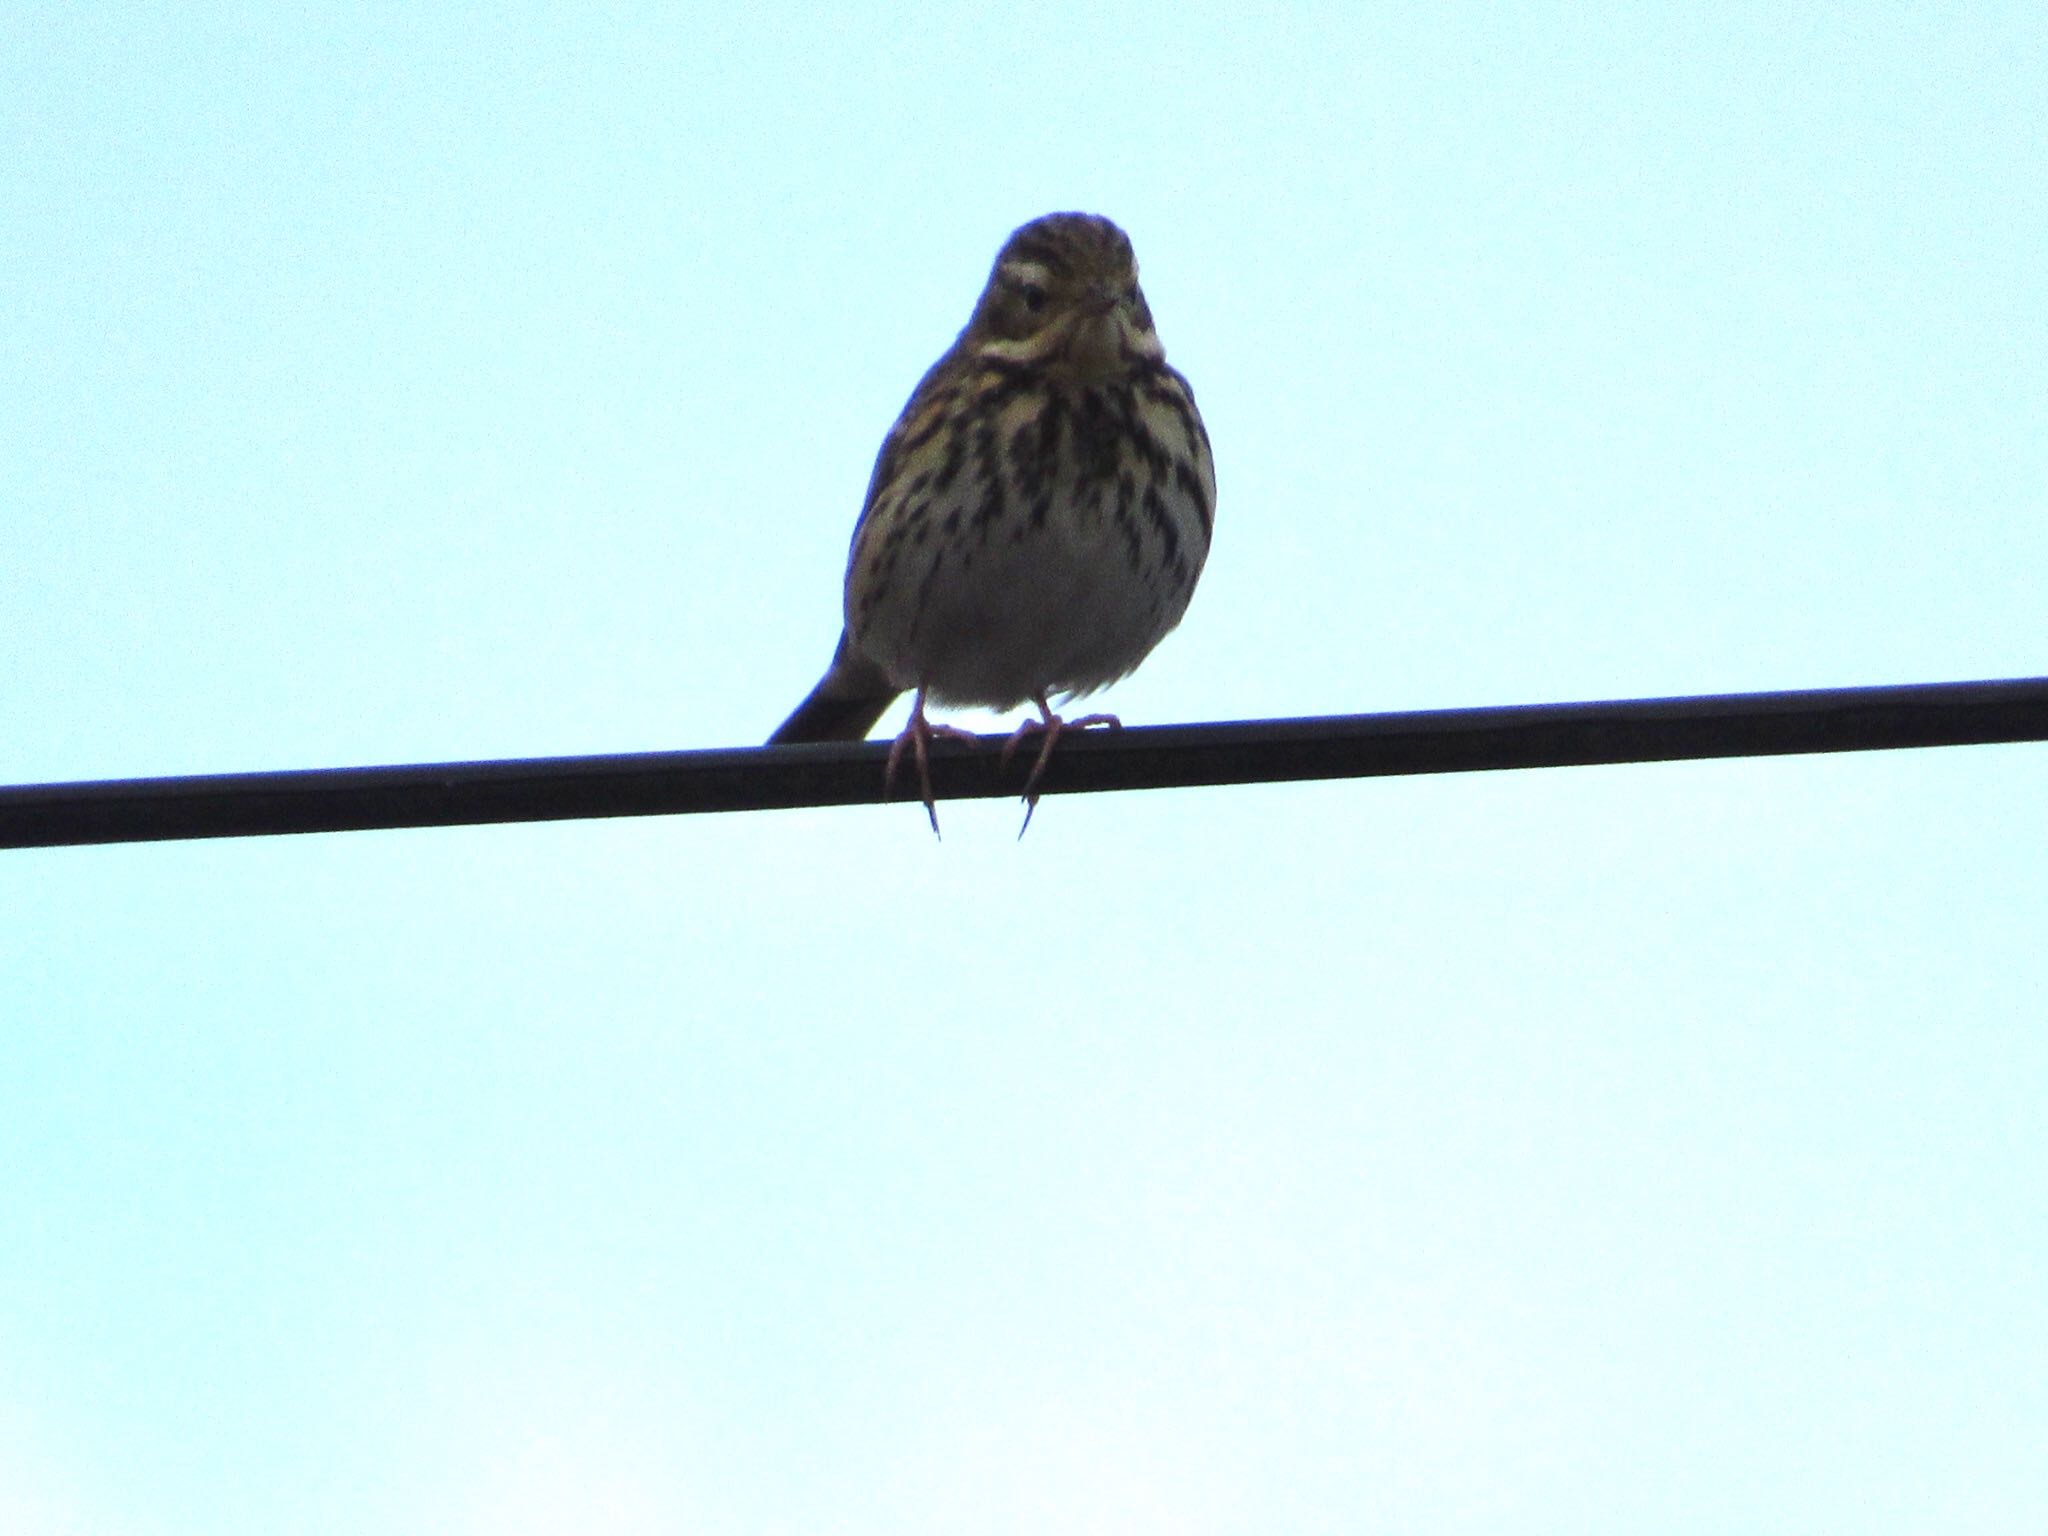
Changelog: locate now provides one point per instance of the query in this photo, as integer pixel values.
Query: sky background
(1594, 1150)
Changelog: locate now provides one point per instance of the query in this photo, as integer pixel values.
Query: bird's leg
(1051, 724)
(917, 734)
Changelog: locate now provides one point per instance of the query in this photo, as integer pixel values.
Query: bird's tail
(845, 705)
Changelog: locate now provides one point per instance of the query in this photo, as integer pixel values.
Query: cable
(1152, 757)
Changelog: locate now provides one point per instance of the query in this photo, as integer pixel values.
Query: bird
(1037, 517)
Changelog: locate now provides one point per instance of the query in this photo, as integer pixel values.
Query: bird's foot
(917, 734)
(1051, 725)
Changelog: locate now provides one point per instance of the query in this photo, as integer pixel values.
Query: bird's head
(1064, 296)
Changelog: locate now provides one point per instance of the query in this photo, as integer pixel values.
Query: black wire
(1154, 757)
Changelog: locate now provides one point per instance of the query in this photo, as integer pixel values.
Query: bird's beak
(1094, 345)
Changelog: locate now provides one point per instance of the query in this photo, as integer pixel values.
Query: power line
(1150, 757)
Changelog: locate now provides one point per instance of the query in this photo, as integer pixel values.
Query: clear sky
(1605, 1150)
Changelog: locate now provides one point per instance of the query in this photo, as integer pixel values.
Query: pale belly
(999, 615)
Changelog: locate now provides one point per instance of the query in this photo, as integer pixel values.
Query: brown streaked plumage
(1038, 515)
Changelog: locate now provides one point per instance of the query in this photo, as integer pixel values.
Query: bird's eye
(1033, 297)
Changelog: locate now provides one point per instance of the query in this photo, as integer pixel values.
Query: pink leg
(1051, 724)
(917, 734)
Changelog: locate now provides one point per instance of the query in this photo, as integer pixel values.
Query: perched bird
(1038, 515)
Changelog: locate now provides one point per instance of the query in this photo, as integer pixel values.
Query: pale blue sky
(1586, 1151)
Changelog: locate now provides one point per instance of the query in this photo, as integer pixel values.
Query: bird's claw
(917, 734)
(1052, 726)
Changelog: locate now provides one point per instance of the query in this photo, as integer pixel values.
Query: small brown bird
(1038, 515)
